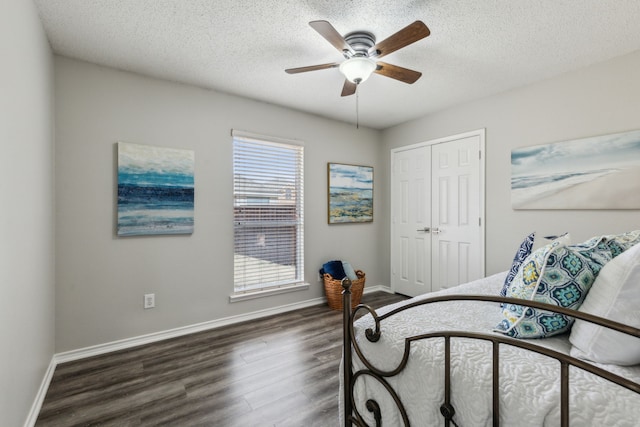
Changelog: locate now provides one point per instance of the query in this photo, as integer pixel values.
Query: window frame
(244, 144)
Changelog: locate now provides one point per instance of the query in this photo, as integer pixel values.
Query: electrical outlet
(149, 300)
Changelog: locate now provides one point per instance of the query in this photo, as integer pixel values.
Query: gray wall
(101, 279)
(26, 216)
(600, 99)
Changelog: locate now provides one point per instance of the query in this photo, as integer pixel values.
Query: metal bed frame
(353, 417)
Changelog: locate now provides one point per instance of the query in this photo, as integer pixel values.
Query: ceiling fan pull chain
(357, 112)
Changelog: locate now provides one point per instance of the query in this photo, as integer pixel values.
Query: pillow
(525, 249)
(554, 274)
(615, 295)
(522, 253)
(334, 268)
(619, 243)
(349, 271)
(565, 237)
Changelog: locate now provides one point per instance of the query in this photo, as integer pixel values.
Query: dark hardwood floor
(276, 371)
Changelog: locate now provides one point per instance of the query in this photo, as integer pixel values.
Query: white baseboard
(82, 353)
(99, 349)
(42, 392)
(377, 288)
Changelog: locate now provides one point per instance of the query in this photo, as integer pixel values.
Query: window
(267, 213)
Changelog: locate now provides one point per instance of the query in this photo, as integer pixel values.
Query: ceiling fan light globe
(357, 69)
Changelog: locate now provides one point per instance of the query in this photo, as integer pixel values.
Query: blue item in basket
(335, 269)
(349, 271)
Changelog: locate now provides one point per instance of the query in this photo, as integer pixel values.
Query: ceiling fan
(362, 53)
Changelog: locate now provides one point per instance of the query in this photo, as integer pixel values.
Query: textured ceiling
(476, 47)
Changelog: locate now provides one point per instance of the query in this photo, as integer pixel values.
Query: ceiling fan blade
(399, 73)
(327, 31)
(349, 88)
(311, 68)
(409, 34)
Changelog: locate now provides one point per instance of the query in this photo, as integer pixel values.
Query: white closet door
(437, 214)
(456, 217)
(411, 220)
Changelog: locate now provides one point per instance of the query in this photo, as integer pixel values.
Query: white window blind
(267, 213)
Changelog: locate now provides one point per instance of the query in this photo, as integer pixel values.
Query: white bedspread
(529, 382)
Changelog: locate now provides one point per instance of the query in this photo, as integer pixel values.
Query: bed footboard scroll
(351, 349)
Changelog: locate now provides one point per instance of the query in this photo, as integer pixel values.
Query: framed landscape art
(350, 193)
(600, 172)
(155, 190)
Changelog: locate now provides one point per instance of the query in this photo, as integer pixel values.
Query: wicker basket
(333, 290)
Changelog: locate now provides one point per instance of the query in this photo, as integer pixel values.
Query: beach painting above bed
(601, 172)
(155, 190)
(350, 193)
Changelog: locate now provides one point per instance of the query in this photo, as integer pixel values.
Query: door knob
(425, 230)
(436, 231)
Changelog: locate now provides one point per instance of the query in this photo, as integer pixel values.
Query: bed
(442, 359)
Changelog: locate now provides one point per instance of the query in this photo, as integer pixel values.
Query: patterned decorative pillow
(555, 274)
(619, 243)
(528, 246)
(564, 237)
(523, 252)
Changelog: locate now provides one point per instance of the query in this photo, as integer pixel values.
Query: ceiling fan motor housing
(362, 52)
(361, 42)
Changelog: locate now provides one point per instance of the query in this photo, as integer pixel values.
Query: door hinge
(480, 155)
(479, 222)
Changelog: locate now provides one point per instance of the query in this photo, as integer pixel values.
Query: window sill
(268, 292)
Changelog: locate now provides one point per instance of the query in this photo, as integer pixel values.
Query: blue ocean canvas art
(601, 172)
(155, 190)
(350, 193)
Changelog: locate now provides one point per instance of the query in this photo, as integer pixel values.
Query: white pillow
(615, 295)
